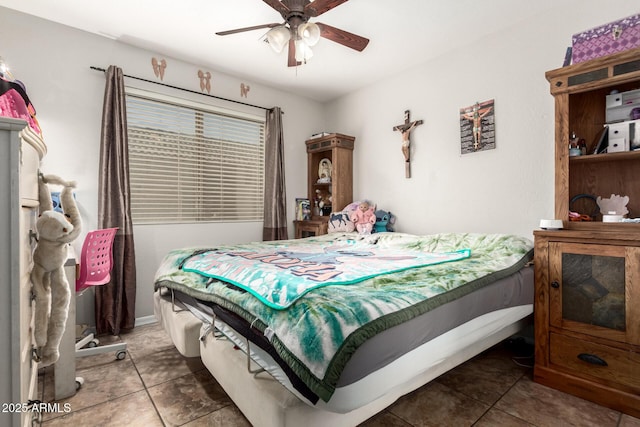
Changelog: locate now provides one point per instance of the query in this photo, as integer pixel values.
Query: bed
(338, 349)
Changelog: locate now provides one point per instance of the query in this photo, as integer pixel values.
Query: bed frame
(407, 343)
(266, 402)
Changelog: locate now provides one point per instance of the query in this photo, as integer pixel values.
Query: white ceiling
(402, 33)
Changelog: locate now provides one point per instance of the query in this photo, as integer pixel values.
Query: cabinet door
(595, 290)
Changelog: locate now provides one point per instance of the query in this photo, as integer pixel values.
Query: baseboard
(146, 320)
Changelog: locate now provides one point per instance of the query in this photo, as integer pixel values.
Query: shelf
(606, 157)
(582, 109)
(338, 148)
(631, 228)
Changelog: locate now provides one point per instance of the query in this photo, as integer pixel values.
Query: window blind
(189, 163)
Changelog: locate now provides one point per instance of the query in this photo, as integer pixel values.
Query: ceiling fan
(299, 33)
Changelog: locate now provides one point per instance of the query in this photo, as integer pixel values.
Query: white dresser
(21, 150)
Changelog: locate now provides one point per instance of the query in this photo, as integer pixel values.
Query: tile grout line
(494, 403)
(146, 389)
(504, 394)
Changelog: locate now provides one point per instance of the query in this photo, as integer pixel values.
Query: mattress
(365, 332)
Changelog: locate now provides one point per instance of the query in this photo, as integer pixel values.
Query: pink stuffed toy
(363, 218)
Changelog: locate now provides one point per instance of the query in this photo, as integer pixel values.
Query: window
(189, 162)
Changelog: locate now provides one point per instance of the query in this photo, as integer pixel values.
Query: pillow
(339, 222)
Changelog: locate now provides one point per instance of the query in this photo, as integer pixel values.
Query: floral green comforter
(318, 334)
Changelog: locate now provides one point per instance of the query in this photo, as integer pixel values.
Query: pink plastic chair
(96, 262)
(96, 259)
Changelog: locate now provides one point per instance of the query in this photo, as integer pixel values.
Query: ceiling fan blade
(282, 8)
(240, 30)
(318, 7)
(291, 61)
(343, 37)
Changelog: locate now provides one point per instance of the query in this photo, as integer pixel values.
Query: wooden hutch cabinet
(587, 275)
(338, 149)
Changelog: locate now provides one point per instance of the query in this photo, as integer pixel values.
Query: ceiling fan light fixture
(278, 37)
(303, 51)
(297, 33)
(309, 32)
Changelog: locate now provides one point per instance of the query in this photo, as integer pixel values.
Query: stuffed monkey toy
(50, 285)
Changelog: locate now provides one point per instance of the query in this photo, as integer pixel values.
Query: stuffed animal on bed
(384, 221)
(50, 285)
(364, 218)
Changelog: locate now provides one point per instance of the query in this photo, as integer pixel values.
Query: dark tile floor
(155, 386)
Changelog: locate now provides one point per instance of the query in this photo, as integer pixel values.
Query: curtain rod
(185, 90)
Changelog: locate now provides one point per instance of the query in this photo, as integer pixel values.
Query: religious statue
(476, 115)
(324, 171)
(405, 129)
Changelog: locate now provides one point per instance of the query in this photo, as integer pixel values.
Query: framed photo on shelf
(601, 142)
(303, 209)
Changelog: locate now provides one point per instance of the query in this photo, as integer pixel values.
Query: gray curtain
(275, 199)
(115, 301)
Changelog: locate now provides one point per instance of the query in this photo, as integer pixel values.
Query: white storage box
(618, 132)
(616, 145)
(619, 105)
(624, 136)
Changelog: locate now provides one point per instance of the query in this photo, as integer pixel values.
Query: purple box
(613, 37)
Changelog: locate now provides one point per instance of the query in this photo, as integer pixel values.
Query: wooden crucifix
(405, 129)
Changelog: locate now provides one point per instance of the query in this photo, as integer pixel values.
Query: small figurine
(574, 145)
(323, 201)
(615, 205)
(324, 171)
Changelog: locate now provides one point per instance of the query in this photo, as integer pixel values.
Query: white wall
(508, 189)
(54, 60)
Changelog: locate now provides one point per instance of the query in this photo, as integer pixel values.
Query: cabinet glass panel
(593, 290)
